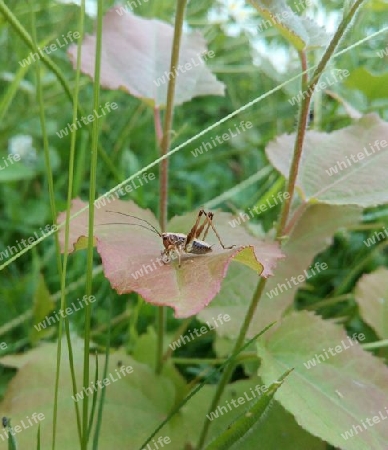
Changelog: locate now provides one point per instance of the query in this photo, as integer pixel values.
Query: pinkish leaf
(131, 256)
(136, 54)
(345, 167)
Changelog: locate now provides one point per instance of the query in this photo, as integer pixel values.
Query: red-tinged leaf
(136, 56)
(345, 167)
(131, 256)
(372, 298)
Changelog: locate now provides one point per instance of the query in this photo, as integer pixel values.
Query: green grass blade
(103, 393)
(12, 444)
(38, 447)
(95, 397)
(247, 420)
(11, 91)
(92, 196)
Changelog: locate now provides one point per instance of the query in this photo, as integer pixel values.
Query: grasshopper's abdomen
(198, 247)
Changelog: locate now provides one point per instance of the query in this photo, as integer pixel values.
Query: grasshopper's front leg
(171, 250)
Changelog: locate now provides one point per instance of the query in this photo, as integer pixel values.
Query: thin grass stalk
(90, 249)
(105, 375)
(95, 396)
(11, 92)
(66, 253)
(52, 207)
(23, 34)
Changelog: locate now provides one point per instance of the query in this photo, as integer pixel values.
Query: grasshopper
(179, 243)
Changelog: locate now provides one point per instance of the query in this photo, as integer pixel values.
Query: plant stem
(63, 277)
(298, 147)
(168, 117)
(334, 43)
(305, 108)
(90, 248)
(302, 125)
(230, 367)
(165, 145)
(183, 327)
(158, 125)
(160, 326)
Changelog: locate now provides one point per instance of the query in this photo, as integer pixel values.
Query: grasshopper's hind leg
(209, 219)
(195, 231)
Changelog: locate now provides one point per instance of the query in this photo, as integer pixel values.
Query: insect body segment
(173, 243)
(199, 247)
(179, 243)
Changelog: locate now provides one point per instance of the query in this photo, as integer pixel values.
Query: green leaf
(335, 386)
(12, 443)
(280, 430)
(277, 430)
(42, 306)
(145, 351)
(372, 298)
(252, 417)
(135, 403)
(377, 5)
(199, 387)
(138, 401)
(372, 85)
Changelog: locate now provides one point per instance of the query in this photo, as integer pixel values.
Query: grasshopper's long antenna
(134, 224)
